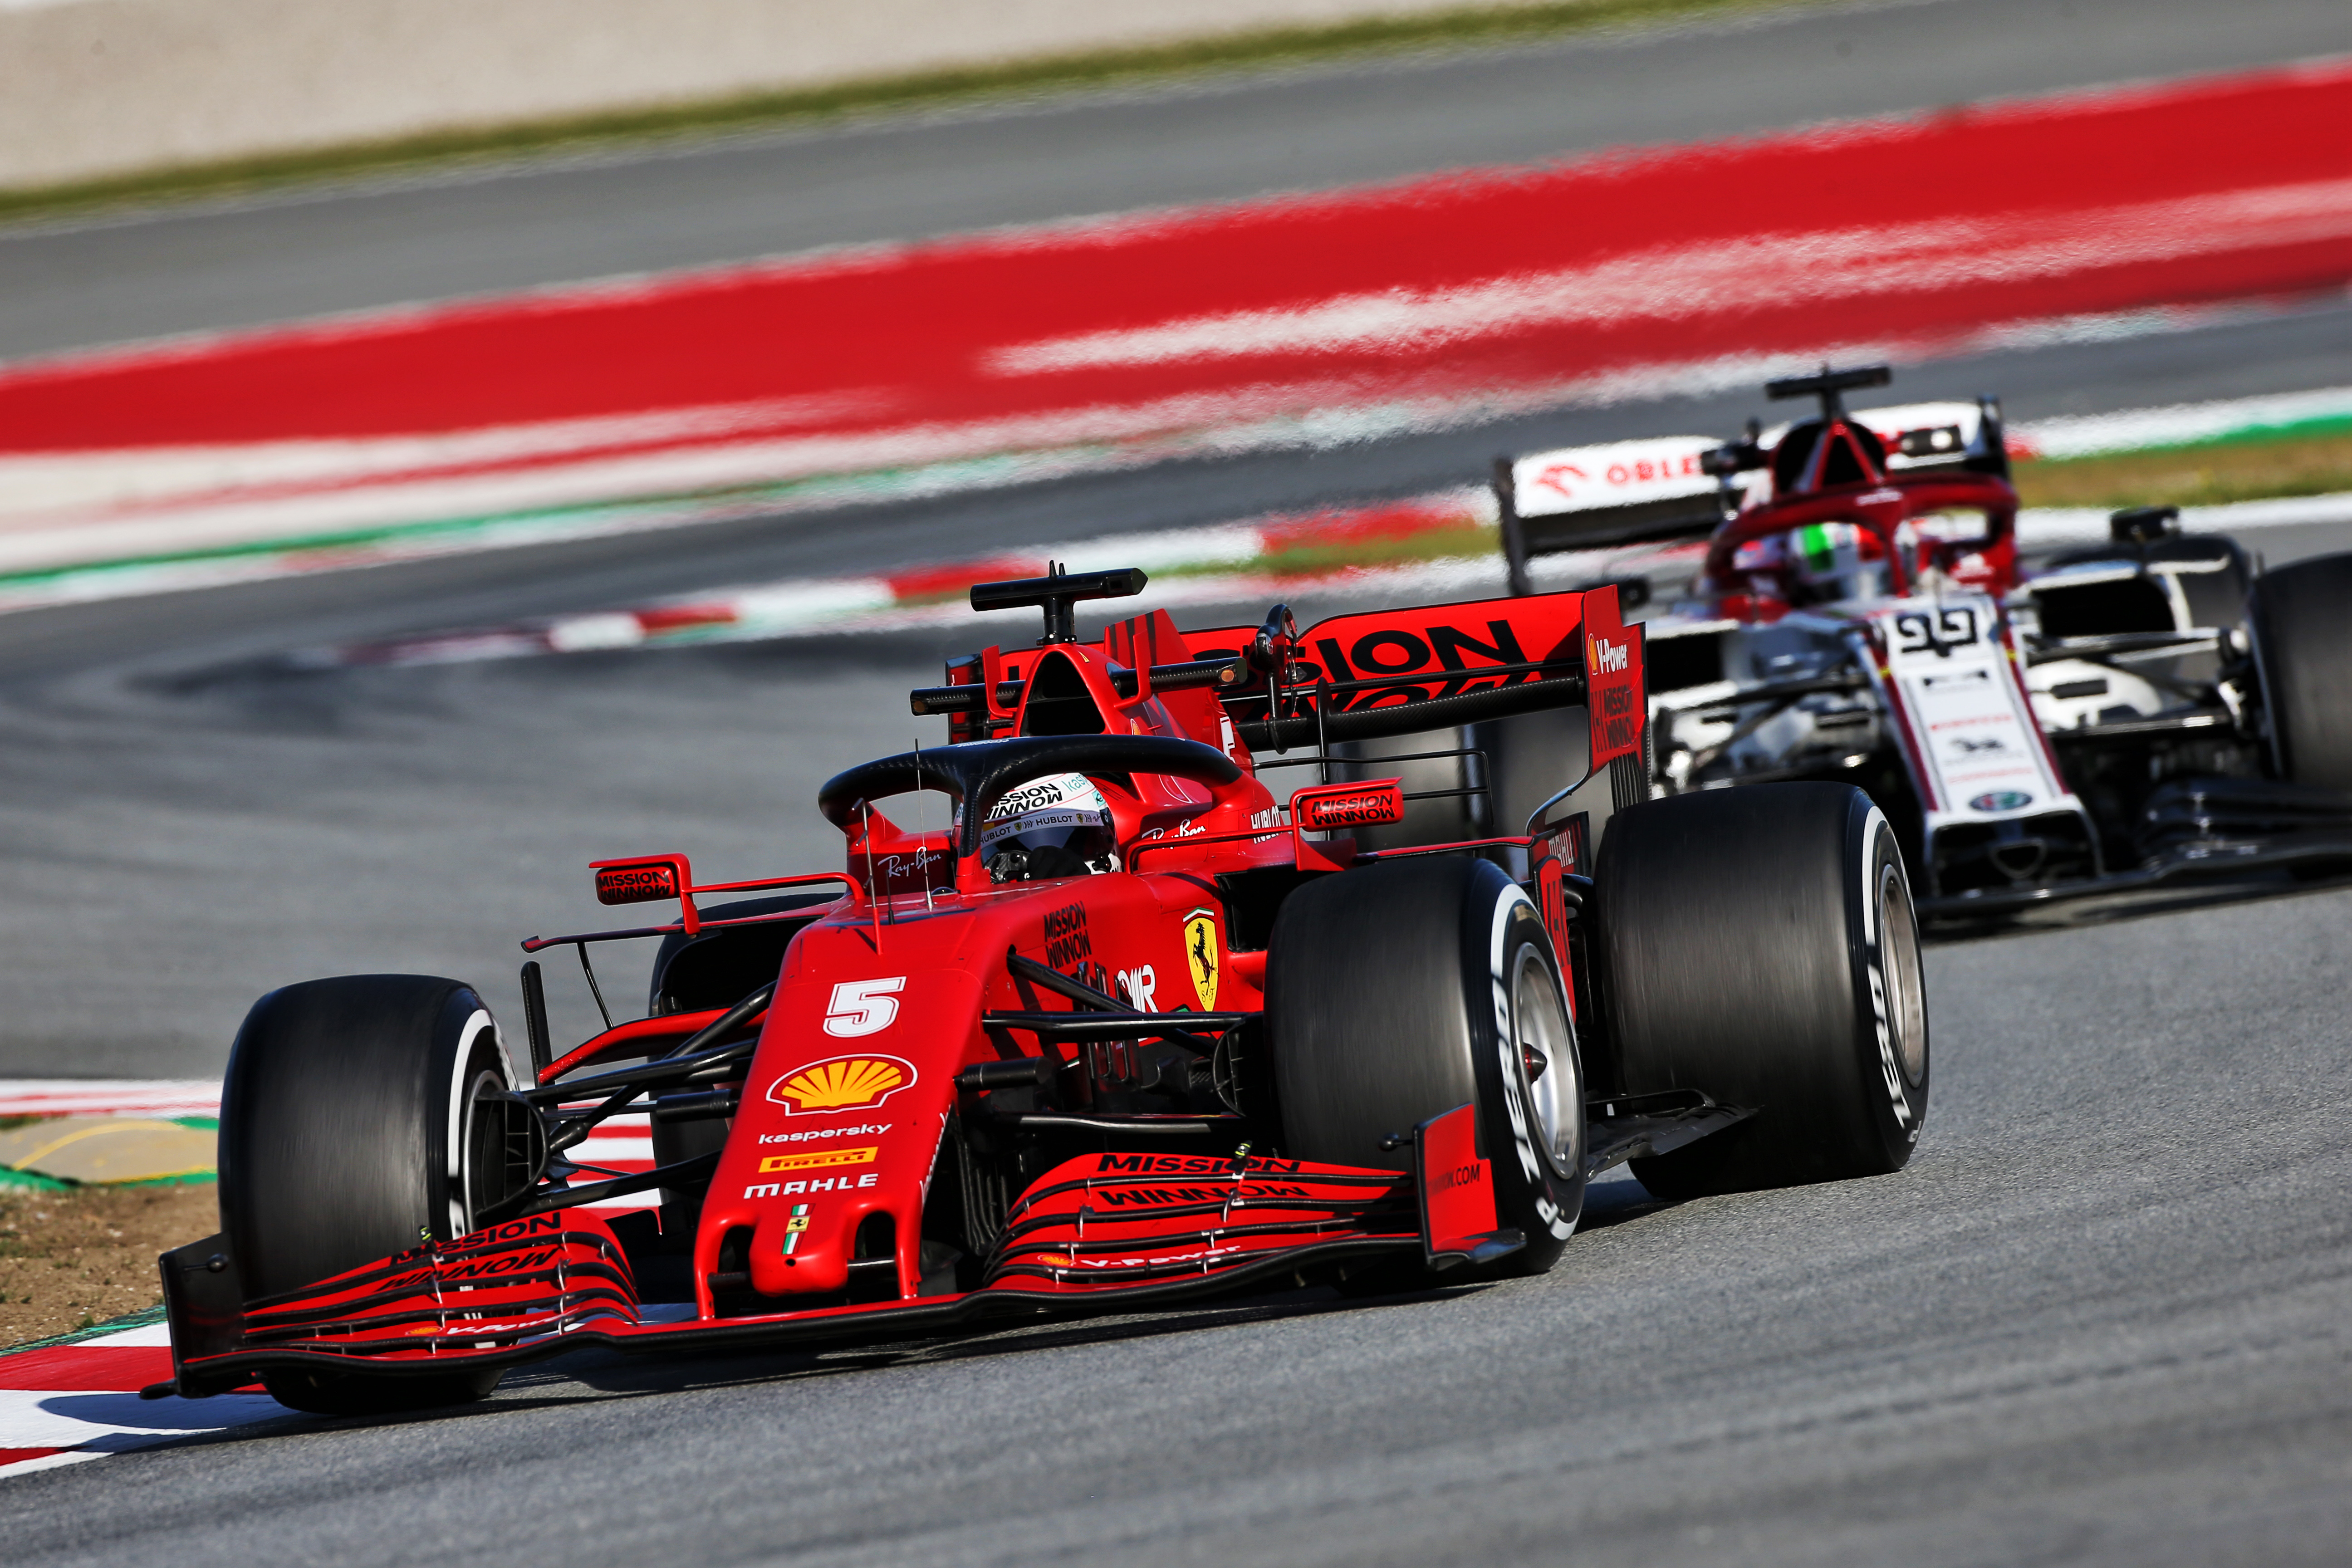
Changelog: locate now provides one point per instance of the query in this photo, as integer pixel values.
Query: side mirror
(2143, 524)
(642, 881)
(1323, 808)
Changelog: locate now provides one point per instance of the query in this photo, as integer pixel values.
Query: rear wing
(1581, 498)
(1386, 673)
(1372, 676)
(1932, 436)
(1584, 498)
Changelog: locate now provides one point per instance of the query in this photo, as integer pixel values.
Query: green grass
(2312, 461)
(33, 1181)
(1454, 27)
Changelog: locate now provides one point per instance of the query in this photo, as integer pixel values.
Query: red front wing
(1102, 1232)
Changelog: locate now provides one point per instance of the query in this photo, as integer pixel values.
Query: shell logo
(840, 1083)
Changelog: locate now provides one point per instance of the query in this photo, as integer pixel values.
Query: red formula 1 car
(1135, 1027)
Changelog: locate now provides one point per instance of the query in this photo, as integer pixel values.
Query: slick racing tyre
(360, 1116)
(2303, 649)
(1758, 944)
(1402, 991)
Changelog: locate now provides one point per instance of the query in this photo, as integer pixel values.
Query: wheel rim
(1906, 1001)
(483, 1174)
(1539, 1026)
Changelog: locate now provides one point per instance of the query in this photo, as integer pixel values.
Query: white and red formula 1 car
(2151, 709)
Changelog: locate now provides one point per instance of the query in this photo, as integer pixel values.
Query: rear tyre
(1402, 991)
(360, 1116)
(1758, 944)
(2303, 645)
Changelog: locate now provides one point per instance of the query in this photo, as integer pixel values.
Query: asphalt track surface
(2105, 1315)
(209, 266)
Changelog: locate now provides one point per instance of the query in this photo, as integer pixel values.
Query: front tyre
(1402, 991)
(360, 1116)
(1758, 944)
(2303, 643)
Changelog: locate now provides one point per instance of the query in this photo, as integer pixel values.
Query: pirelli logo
(816, 1159)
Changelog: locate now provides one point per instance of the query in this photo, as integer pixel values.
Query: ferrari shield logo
(1200, 954)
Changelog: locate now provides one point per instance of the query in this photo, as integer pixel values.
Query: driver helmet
(1058, 826)
(1837, 560)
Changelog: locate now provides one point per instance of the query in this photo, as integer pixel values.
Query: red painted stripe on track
(1889, 230)
(87, 1368)
(14, 1455)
